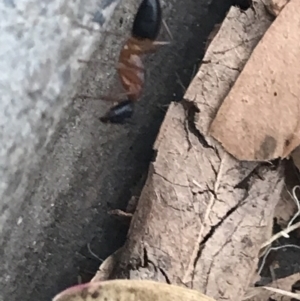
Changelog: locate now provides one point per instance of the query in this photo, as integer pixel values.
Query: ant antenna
(167, 29)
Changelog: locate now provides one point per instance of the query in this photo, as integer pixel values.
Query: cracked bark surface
(202, 215)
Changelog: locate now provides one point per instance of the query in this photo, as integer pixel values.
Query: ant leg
(95, 61)
(98, 60)
(104, 31)
(89, 61)
(113, 98)
(120, 66)
(161, 43)
(116, 65)
(110, 98)
(155, 44)
(180, 83)
(91, 29)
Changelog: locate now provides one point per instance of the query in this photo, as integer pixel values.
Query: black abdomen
(119, 113)
(147, 21)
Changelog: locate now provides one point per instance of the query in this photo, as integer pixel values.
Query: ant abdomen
(147, 21)
(119, 113)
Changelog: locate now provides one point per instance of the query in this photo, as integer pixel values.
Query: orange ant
(145, 29)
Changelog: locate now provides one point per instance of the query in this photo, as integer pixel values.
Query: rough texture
(124, 290)
(274, 7)
(202, 215)
(55, 196)
(259, 118)
(40, 44)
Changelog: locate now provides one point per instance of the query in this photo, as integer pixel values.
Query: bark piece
(274, 7)
(202, 215)
(259, 119)
(124, 290)
(107, 267)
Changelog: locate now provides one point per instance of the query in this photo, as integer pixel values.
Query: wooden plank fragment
(274, 7)
(259, 119)
(203, 215)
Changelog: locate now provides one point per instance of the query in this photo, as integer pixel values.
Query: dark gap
(191, 111)
(165, 275)
(285, 261)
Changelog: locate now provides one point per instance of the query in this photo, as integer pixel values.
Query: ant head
(147, 21)
(119, 113)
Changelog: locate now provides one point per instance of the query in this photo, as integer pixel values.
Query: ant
(145, 29)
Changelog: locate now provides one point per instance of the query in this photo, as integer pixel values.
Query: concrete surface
(60, 168)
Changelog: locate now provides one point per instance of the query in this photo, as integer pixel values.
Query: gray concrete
(60, 168)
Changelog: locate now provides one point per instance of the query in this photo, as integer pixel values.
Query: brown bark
(259, 118)
(202, 215)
